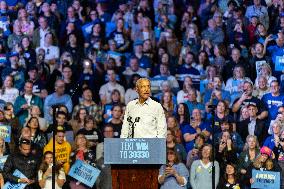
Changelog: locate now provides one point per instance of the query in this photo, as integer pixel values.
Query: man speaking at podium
(144, 117)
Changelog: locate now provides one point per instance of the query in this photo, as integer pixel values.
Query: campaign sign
(5, 132)
(10, 185)
(135, 151)
(84, 173)
(279, 63)
(265, 179)
(2, 161)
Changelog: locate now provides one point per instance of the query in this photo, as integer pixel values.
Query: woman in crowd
(182, 116)
(83, 153)
(172, 124)
(266, 72)
(78, 120)
(271, 141)
(202, 63)
(168, 103)
(91, 132)
(38, 138)
(221, 114)
(230, 179)
(201, 170)
(225, 151)
(45, 173)
(194, 153)
(248, 156)
(8, 93)
(28, 52)
(220, 55)
(182, 95)
(263, 162)
(174, 174)
(171, 144)
(262, 87)
(236, 138)
(278, 151)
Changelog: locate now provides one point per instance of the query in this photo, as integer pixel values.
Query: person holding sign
(82, 152)
(45, 173)
(24, 162)
(264, 162)
(144, 117)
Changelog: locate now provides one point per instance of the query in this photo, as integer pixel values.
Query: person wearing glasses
(174, 174)
(23, 161)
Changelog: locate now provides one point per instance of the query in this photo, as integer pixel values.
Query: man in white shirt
(51, 51)
(144, 117)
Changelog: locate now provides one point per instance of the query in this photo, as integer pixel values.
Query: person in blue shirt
(58, 97)
(275, 50)
(186, 69)
(192, 101)
(274, 138)
(273, 100)
(196, 126)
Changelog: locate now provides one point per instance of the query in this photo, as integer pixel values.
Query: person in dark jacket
(23, 161)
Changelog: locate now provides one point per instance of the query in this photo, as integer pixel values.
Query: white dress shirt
(152, 122)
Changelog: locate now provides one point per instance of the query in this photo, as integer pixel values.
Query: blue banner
(2, 161)
(84, 173)
(9, 185)
(279, 63)
(265, 179)
(5, 132)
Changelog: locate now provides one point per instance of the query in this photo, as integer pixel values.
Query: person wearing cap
(62, 148)
(24, 102)
(265, 162)
(15, 71)
(23, 161)
(144, 61)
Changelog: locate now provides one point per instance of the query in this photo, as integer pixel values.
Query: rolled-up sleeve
(161, 123)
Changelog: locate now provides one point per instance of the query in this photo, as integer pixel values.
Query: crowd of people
(71, 66)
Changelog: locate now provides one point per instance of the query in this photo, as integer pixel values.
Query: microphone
(137, 119)
(129, 119)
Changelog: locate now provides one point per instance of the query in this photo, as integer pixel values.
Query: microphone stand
(212, 110)
(54, 110)
(132, 126)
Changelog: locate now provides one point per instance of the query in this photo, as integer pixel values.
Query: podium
(135, 162)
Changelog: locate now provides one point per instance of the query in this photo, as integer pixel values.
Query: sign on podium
(135, 151)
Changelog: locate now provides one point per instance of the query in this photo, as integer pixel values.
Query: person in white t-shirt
(45, 173)
(8, 93)
(106, 89)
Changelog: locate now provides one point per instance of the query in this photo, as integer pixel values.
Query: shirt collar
(146, 102)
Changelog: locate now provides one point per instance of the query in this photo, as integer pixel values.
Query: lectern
(135, 162)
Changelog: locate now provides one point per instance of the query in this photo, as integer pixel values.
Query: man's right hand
(24, 180)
